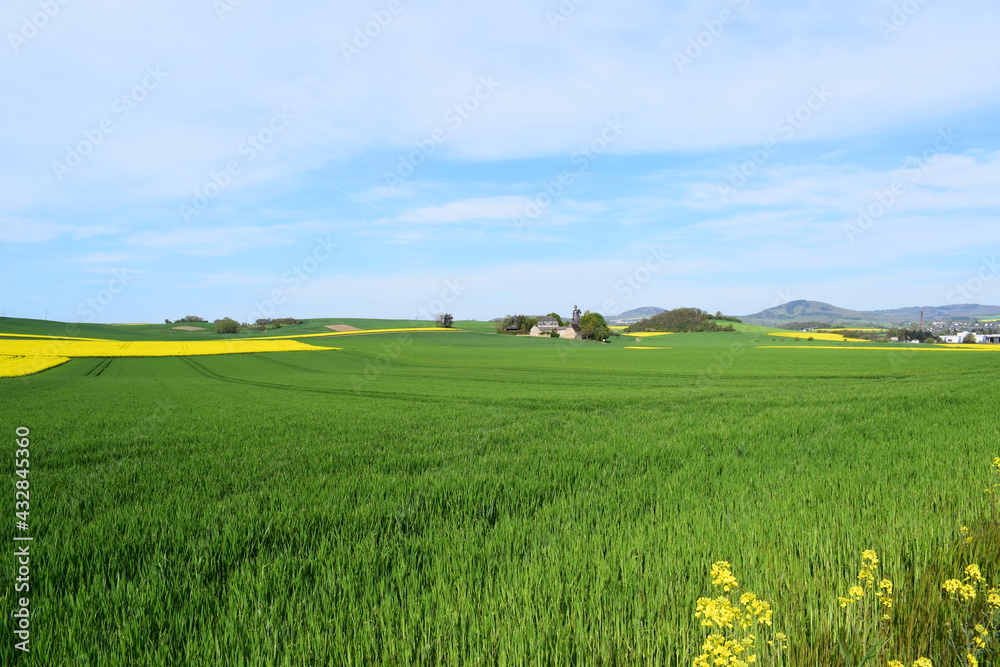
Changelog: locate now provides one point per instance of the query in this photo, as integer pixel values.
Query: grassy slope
(749, 328)
(425, 497)
(166, 331)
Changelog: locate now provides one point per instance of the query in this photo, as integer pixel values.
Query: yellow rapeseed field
(24, 354)
(886, 348)
(815, 335)
(852, 329)
(647, 334)
(15, 366)
(360, 331)
(115, 348)
(11, 335)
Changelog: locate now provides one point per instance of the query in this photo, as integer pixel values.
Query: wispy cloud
(469, 210)
(408, 99)
(221, 242)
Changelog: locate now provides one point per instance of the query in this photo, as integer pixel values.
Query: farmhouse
(546, 325)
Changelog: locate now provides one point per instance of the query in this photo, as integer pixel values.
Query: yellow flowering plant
(868, 607)
(975, 606)
(740, 628)
(993, 491)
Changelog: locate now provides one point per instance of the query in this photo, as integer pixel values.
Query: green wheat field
(467, 498)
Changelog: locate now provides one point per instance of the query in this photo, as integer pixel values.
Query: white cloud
(14, 230)
(468, 210)
(223, 241)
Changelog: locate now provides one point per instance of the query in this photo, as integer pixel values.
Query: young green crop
(483, 499)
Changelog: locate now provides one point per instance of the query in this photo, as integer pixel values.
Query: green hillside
(817, 311)
(169, 332)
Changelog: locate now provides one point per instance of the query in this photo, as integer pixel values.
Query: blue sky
(390, 159)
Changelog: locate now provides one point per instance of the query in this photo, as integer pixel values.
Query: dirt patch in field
(186, 329)
(342, 327)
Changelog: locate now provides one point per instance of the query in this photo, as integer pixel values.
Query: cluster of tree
(444, 320)
(227, 326)
(861, 335)
(911, 334)
(680, 320)
(523, 323)
(185, 320)
(725, 318)
(275, 323)
(594, 327)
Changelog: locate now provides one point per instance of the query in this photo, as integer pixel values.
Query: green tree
(969, 338)
(593, 326)
(522, 322)
(444, 320)
(227, 326)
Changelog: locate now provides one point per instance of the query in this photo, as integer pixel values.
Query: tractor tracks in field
(270, 360)
(407, 397)
(206, 372)
(100, 367)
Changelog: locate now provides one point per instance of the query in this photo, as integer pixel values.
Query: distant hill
(636, 314)
(803, 311)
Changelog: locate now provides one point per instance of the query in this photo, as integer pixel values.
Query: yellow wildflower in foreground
(12, 366)
(955, 587)
(722, 575)
(115, 348)
(734, 639)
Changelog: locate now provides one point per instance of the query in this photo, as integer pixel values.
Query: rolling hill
(635, 314)
(803, 310)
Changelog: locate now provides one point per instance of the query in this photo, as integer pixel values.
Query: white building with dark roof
(960, 337)
(546, 325)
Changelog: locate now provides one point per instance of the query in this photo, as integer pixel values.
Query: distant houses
(980, 338)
